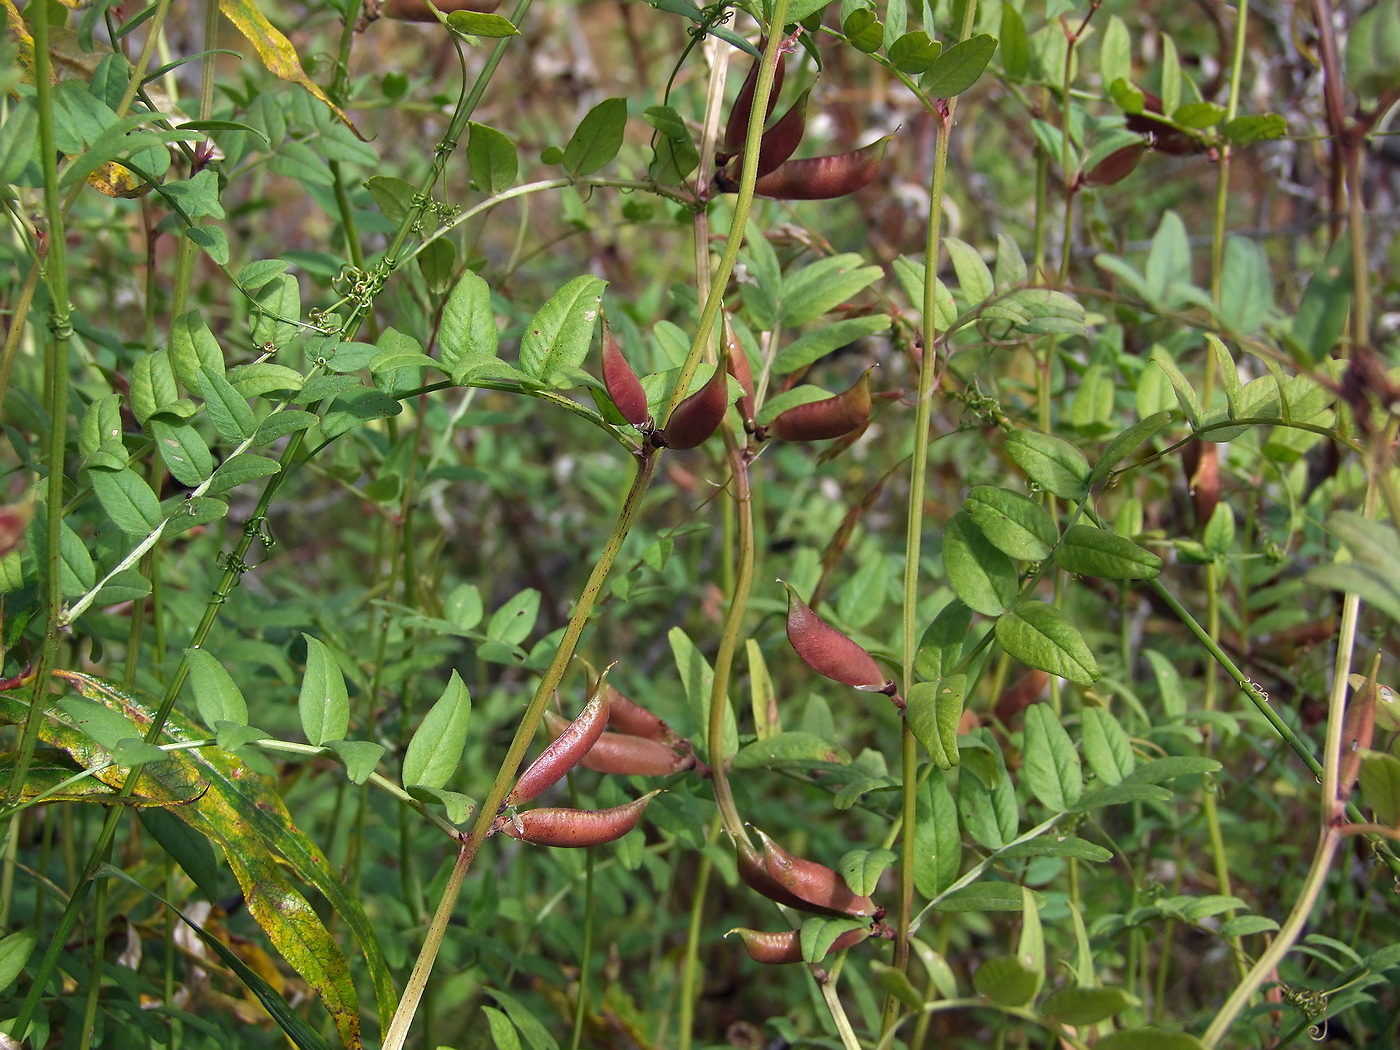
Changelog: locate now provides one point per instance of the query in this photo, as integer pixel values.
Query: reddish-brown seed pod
(741, 370)
(564, 753)
(700, 414)
(1201, 459)
(626, 755)
(632, 718)
(781, 140)
(755, 875)
(576, 827)
(419, 11)
(1358, 730)
(1116, 167)
(827, 651)
(814, 883)
(785, 946)
(622, 383)
(736, 132)
(823, 178)
(1161, 135)
(831, 417)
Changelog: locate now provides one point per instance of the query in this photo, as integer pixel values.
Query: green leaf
(503, 1033)
(1040, 635)
(790, 748)
(913, 53)
(1170, 766)
(559, 335)
(974, 279)
(1007, 980)
(280, 424)
(988, 814)
(937, 841)
(217, 697)
(597, 139)
(864, 30)
(279, 309)
(932, 711)
(675, 154)
(1380, 785)
(1107, 748)
(1013, 523)
(1185, 392)
(1115, 53)
(1245, 925)
(1246, 286)
(1087, 1006)
(819, 932)
(437, 745)
(1050, 764)
(514, 620)
(227, 409)
(459, 807)
(1015, 44)
(1030, 946)
(697, 676)
(153, 387)
(239, 470)
(263, 377)
(212, 239)
(536, 1035)
(813, 290)
(1011, 269)
(1050, 462)
(1255, 127)
(394, 196)
(19, 140)
(492, 159)
(183, 451)
(981, 576)
(127, 500)
(897, 983)
(862, 868)
(477, 23)
(324, 704)
(815, 345)
(1148, 1039)
(1219, 534)
(941, 647)
(1128, 442)
(1090, 551)
(1322, 313)
(1169, 259)
(1118, 794)
(959, 67)
(1054, 846)
(863, 594)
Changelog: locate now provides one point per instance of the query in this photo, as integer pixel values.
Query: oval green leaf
(1014, 524)
(1042, 636)
(436, 747)
(1088, 551)
(324, 704)
(982, 576)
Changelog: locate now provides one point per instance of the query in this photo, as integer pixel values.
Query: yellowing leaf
(276, 51)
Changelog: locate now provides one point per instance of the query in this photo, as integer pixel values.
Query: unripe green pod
(818, 885)
(576, 827)
(622, 383)
(831, 417)
(829, 652)
(626, 755)
(823, 178)
(564, 753)
(775, 947)
(699, 415)
(736, 132)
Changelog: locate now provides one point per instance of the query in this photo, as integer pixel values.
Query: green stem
(690, 969)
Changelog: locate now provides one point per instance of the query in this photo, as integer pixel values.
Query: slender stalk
(690, 969)
(913, 531)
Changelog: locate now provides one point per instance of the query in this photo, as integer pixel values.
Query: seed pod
(576, 827)
(814, 883)
(829, 652)
(566, 751)
(1161, 135)
(823, 178)
(622, 383)
(736, 132)
(742, 371)
(781, 140)
(785, 946)
(755, 874)
(1116, 167)
(1201, 460)
(635, 720)
(831, 417)
(626, 755)
(1358, 730)
(419, 11)
(699, 415)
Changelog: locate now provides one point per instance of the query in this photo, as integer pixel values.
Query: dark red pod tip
(622, 383)
(829, 652)
(831, 417)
